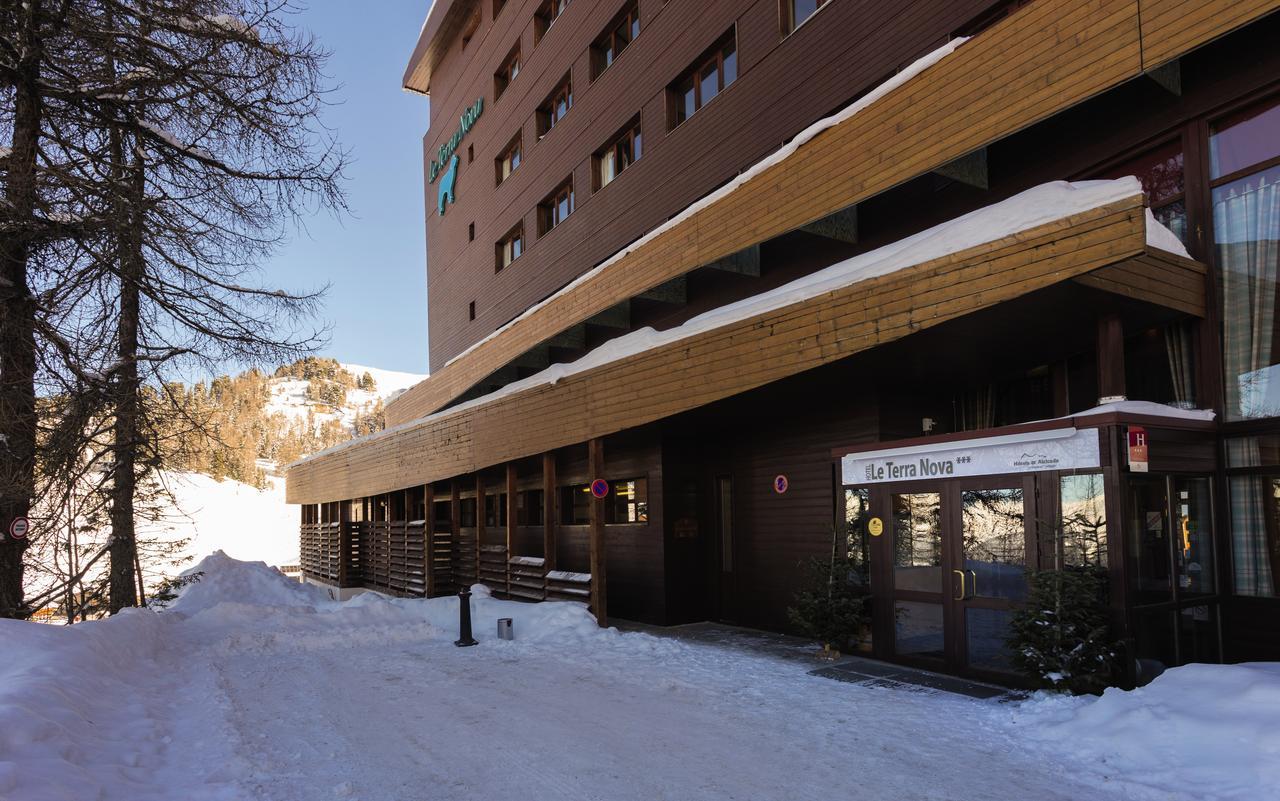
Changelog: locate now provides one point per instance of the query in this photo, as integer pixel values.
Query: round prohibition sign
(19, 527)
(780, 484)
(599, 488)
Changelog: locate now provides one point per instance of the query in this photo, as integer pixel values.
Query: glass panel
(688, 104)
(730, 65)
(1154, 648)
(1198, 634)
(1174, 217)
(1243, 141)
(1246, 224)
(918, 629)
(1083, 540)
(639, 149)
(995, 542)
(710, 84)
(917, 542)
(985, 633)
(801, 10)
(1149, 542)
(575, 505)
(1193, 532)
(607, 170)
(1259, 451)
(630, 502)
(1255, 534)
(857, 511)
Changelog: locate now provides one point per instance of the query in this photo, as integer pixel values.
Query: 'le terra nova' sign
(447, 149)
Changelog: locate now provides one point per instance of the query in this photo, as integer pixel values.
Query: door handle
(959, 597)
(973, 583)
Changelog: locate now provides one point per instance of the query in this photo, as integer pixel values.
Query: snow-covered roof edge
(1030, 209)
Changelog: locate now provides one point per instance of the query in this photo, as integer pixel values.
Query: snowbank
(1209, 731)
(226, 580)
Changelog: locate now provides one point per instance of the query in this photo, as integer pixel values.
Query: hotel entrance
(948, 564)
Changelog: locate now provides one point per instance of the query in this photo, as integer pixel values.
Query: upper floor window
(509, 248)
(507, 72)
(498, 5)
(546, 16)
(795, 12)
(1244, 185)
(624, 28)
(508, 159)
(619, 154)
(715, 70)
(1160, 171)
(555, 106)
(555, 207)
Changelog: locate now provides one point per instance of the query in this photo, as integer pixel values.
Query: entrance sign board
(1060, 449)
(1138, 456)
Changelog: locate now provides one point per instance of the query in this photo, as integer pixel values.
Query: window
(471, 153)
(1082, 537)
(575, 505)
(712, 73)
(546, 16)
(508, 160)
(471, 232)
(495, 510)
(621, 31)
(529, 509)
(619, 154)
(507, 72)
(498, 5)
(556, 207)
(1255, 515)
(1244, 180)
(795, 12)
(1160, 170)
(628, 501)
(467, 513)
(471, 310)
(555, 106)
(509, 248)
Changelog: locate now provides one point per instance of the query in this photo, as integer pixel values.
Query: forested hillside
(250, 425)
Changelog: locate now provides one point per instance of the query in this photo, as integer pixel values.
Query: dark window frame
(515, 235)
(548, 12)
(633, 137)
(691, 80)
(625, 28)
(787, 15)
(549, 212)
(514, 152)
(507, 72)
(548, 114)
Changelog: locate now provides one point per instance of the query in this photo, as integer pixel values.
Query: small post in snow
(464, 619)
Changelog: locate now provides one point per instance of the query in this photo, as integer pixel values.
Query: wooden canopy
(1105, 246)
(1031, 66)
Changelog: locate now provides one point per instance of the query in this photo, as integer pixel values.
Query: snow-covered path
(294, 697)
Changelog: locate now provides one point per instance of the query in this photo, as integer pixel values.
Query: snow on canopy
(1032, 208)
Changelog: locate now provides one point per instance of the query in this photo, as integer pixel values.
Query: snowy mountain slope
(244, 522)
(289, 395)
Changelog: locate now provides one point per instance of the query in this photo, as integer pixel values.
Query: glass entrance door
(958, 552)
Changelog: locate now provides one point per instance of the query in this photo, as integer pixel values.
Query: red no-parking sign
(599, 488)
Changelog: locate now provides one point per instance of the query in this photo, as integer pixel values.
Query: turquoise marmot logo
(448, 183)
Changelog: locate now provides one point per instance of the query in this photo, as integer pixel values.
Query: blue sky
(375, 258)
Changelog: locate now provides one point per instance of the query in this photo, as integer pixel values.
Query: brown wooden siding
(1064, 53)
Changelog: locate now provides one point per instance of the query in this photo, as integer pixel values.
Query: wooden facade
(1033, 326)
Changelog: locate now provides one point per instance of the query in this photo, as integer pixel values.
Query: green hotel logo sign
(447, 161)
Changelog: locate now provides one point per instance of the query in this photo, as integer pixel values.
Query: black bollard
(464, 619)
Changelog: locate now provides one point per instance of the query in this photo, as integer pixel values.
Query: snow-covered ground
(252, 687)
(245, 522)
(289, 395)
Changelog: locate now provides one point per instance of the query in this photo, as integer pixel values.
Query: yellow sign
(876, 526)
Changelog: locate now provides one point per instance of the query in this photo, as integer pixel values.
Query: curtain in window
(1254, 542)
(1246, 219)
(1178, 344)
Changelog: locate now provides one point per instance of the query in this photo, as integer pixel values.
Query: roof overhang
(745, 352)
(1048, 57)
(446, 20)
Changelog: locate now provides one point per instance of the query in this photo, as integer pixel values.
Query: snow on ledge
(1146, 408)
(1032, 208)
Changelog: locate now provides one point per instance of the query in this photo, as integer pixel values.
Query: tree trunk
(124, 546)
(17, 320)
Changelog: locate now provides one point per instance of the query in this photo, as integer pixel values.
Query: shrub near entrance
(832, 605)
(1061, 639)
